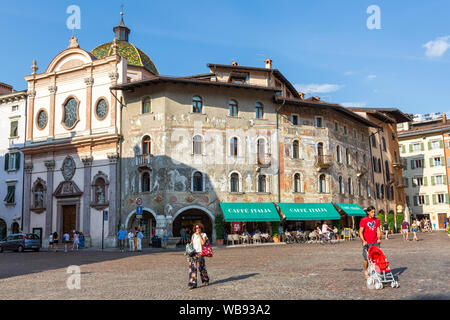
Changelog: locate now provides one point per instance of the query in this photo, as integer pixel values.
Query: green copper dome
(134, 56)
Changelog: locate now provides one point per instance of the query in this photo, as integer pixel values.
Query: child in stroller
(379, 271)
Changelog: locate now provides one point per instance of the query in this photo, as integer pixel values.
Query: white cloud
(349, 73)
(438, 47)
(371, 76)
(317, 88)
(354, 104)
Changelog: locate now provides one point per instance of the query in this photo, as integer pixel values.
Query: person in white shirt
(198, 240)
(76, 240)
(66, 239)
(131, 240)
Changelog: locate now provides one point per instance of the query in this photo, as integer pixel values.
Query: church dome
(134, 56)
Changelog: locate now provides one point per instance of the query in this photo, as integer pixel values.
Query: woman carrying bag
(199, 242)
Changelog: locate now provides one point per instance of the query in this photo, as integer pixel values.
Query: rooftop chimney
(234, 63)
(444, 118)
(301, 94)
(268, 63)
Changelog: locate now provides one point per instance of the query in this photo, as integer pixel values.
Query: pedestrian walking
(50, 242)
(76, 240)
(183, 235)
(414, 229)
(135, 238)
(55, 241)
(81, 240)
(65, 240)
(370, 234)
(121, 235)
(164, 238)
(405, 229)
(386, 230)
(131, 240)
(197, 261)
(139, 237)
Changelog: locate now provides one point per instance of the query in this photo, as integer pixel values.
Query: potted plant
(220, 228)
(275, 234)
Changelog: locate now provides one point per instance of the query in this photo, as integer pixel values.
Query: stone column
(114, 76)
(87, 162)
(113, 196)
(89, 82)
(31, 96)
(52, 90)
(50, 164)
(28, 168)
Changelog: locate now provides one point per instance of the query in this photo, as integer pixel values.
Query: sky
(324, 47)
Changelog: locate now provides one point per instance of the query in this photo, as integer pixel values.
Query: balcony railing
(143, 160)
(390, 178)
(323, 161)
(400, 163)
(362, 170)
(264, 161)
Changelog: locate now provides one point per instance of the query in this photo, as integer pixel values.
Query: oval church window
(101, 109)
(70, 113)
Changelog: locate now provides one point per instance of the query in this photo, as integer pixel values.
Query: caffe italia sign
(241, 212)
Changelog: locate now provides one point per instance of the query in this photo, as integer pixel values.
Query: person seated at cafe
(336, 232)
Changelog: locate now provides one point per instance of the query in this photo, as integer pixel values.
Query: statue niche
(99, 186)
(39, 192)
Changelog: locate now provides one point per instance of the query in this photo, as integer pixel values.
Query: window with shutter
(10, 196)
(427, 200)
(412, 164)
(14, 129)
(432, 181)
(6, 162)
(434, 199)
(415, 201)
(425, 181)
(422, 147)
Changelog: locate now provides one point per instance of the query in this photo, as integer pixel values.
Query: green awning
(309, 211)
(352, 210)
(247, 212)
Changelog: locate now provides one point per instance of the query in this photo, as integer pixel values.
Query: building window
(295, 149)
(234, 182)
(146, 145)
(438, 180)
(320, 149)
(233, 108)
(298, 183)
(11, 194)
(319, 122)
(338, 154)
(14, 129)
(12, 161)
(336, 126)
(197, 104)
(15, 108)
(262, 183)
(146, 106)
(383, 140)
(374, 141)
(441, 198)
(197, 142)
(357, 157)
(418, 163)
(347, 156)
(322, 184)
(341, 185)
(435, 144)
(146, 182)
(197, 182)
(345, 130)
(437, 161)
(70, 117)
(234, 147)
(294, 120)
(261, 151)
(259, 111)
(393, 136)
(421, 200)
(417, 181)
(416, 147)
(101, 109)
(349, 185)
(359, 188)
(41, 120)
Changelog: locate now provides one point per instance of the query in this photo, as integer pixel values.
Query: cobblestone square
(294, 271)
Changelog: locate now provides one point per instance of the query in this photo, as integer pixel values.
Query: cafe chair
(230, 239)
(236, 238)
(256, 238)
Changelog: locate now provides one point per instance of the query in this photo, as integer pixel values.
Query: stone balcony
(361, 171)
(265, 161)
(401, 163)
(143, 161)
(323, 162)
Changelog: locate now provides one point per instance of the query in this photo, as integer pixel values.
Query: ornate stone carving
(87, 161)
(52, 89)
(28, 167)
(113, 157)
(39, 191)
(100, 186)
(176, 179)
(68, 168)
(114, 76)
(34, 67)
(89, 81)
(67, 189)
(50, 165)
(31, 93)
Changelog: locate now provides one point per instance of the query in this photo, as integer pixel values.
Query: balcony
(390, 178)
(362, 170)
(400, 163)
(143, 161)
(401, 184)
(265, 161)
(323, 162)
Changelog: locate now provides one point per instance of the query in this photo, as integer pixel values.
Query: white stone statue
(176, 178)
(248, 182)
(100, 194)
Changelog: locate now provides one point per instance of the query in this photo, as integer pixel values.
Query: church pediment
(67, 189)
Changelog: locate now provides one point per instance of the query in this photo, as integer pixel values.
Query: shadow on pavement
(443, 296)
(398, 271)
(352, 270)
(236, 278)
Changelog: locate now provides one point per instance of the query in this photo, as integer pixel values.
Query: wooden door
(69, 219)
(441, 219)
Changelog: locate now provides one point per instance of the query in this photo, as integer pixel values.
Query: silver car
(20, 242)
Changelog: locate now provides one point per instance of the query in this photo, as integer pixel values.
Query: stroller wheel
(396, 284)
(378, 285)
(370, 283)
(393, 284)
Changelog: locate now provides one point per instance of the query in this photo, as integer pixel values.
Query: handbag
(206, 249)
(190, 251)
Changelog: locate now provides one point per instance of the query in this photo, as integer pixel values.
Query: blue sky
(322, 47)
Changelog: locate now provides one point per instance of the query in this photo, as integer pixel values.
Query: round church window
(101, 109)
(42, 119)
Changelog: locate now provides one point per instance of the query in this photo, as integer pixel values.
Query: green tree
(390, 221)
(220, 225)
(275, 226)
(400, 217)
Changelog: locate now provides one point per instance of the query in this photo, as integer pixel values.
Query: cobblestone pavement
(294, 271)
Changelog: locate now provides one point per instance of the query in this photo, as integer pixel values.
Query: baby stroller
(379, 271)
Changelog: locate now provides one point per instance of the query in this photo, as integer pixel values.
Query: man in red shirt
(369, 233)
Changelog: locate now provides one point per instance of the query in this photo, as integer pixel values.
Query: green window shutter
(425, 181)
(403, 149)
(434, 199)
(431, 162)
(427, 200)
(415, 201)
(17, 161)
(412, 164)
(444, 178)
(432, 181)
(422, 146)
(441, 144)
(446, 198)
(10, 195)
(6, 162)
(429, 145)
(13, 132)
(410, 147)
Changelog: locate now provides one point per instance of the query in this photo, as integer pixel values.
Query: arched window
(298, 183)
(357, 157)
(233, 106)
(197, 182)
(197, 142)
(146, 105)
(338, 154)
(234, 147)
(347, 156)
(146, 182)
(320, 149)
(99, 187)
(384, 143)
(322, 184)
(395, 156)
(39, 193)
(146, 145)
(99, 191)
(197, 104)
(259, 111)
(386, 170)
(295, 150)
(341, 185)
(234, 182)
(359, 187)
(261, 150)
(261, 183)
(349, 186)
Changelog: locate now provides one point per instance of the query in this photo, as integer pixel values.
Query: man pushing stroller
(370, 234)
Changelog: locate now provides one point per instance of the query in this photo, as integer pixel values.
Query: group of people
(134, 239)
(76, 237)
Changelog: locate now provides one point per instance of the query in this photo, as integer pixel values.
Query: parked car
(20, 241)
